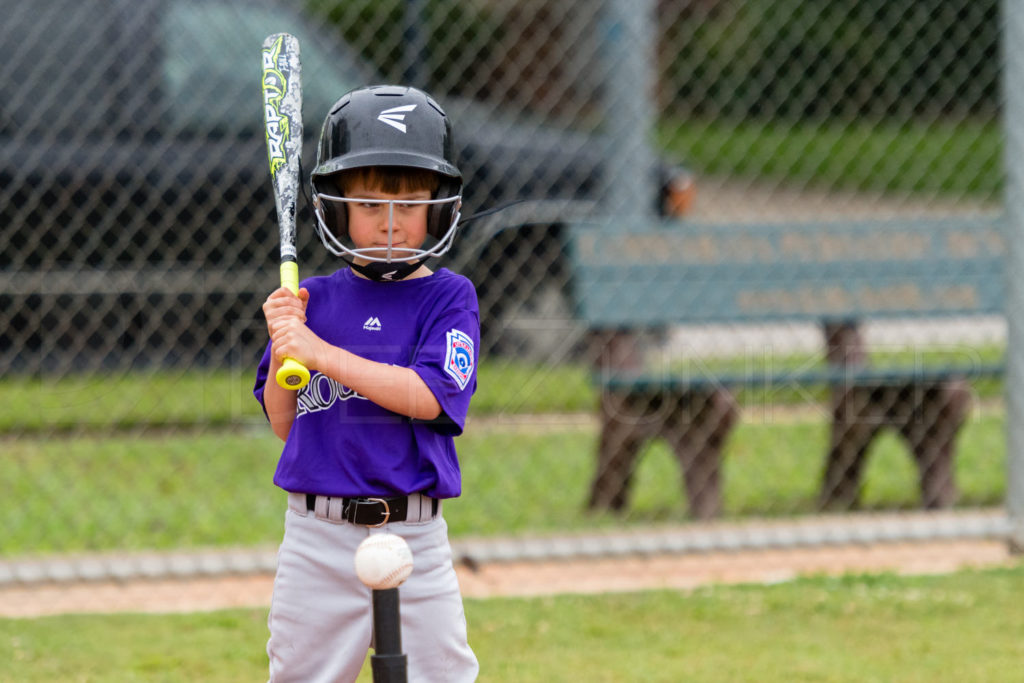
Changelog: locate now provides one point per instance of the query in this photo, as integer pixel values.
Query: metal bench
(633, 277)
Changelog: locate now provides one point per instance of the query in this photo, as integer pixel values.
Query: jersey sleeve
(447, 360)
(262, 371)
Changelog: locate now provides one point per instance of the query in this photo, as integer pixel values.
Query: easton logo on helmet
(395, 116)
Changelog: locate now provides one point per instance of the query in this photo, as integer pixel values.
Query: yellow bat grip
(290, 276)
(292, 374)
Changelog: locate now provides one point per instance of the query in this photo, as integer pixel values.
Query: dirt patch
(688, 571)
(529, 578)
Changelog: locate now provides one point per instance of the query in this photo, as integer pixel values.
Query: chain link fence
(140, 236)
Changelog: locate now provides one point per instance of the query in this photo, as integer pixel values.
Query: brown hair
(390, 179)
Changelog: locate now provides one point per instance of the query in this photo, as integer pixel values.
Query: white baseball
(383, 561)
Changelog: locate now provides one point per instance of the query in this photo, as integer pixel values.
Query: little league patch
(458, 361)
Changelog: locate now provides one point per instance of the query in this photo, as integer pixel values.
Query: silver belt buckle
(387, 511)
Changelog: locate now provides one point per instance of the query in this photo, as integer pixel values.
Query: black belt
(373, 511)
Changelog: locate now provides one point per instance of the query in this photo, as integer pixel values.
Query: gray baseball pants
(321, 617)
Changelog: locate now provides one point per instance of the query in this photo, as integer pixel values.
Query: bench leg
(928, 417)
(625, 425)
(695, 425)
(934, 416)
(696, 431)
(854, 426)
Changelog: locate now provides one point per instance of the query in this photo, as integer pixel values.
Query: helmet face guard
(339, 247)
(393, 126)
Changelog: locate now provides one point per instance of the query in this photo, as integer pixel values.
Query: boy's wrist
(327, 358)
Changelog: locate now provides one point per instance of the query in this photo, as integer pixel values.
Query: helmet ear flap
(439, 217)
(334, 217)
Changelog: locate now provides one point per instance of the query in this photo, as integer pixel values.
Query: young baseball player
(368, 443)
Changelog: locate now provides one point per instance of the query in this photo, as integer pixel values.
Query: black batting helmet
(387, 125)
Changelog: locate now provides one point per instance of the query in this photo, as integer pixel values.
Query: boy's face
(369, 223)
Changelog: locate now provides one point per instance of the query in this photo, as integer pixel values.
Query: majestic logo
(372, 324)
(458, 360)
(395, 117)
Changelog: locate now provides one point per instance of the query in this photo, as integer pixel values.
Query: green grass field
(961, 628)
(200, 475)
(219, 398)
(213, 488)
(951, 159)
(168, 461)
(183, 460)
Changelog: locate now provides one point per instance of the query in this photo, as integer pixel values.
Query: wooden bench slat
(647, 275)
(804, 377)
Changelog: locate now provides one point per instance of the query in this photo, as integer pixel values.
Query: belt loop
(335, 509)
(299, 503)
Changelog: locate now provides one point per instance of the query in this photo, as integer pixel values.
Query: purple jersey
(342, 444)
